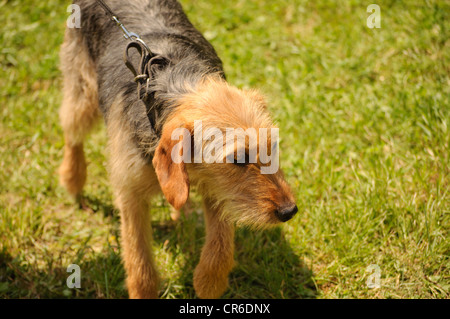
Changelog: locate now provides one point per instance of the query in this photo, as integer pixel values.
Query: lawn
(363, 116)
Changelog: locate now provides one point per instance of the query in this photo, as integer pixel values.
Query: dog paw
(209, 284)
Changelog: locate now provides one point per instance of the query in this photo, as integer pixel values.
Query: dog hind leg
(79, 110)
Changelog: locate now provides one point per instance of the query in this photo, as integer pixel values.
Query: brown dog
(191, 87)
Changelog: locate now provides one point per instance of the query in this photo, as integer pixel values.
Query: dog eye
(240, 164)
(243, 163)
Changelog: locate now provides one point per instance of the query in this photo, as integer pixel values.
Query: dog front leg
(217, 257)
(136, 232)
(134, 183)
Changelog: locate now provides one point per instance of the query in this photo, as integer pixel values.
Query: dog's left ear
(172, 175)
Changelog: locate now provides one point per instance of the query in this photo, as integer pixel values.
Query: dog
(189, 86)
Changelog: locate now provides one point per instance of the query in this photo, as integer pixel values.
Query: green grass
(363, 116)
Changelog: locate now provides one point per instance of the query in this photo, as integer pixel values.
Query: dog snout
(286, 213)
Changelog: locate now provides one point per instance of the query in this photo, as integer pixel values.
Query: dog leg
(216, 260)
(131, 181)
(136, 233)
(79, 110)
(134, 182)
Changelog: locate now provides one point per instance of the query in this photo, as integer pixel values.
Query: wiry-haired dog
(190, 87)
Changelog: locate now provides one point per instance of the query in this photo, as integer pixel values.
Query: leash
(149, 62)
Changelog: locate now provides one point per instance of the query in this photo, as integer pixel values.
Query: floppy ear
(172, 175)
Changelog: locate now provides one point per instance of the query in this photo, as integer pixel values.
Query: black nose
(286, 213)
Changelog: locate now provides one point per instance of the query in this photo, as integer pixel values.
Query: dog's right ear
(172, 174)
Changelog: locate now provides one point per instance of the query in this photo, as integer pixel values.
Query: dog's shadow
(97, 205)
(266, 266)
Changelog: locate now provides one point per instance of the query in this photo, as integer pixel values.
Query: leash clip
(130, 35)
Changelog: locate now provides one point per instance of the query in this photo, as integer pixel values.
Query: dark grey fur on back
(165, 28)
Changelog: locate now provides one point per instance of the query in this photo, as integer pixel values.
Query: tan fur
(134, 183)
(231, 194)
(246, 199)
(216, 260)
(172, 176)
(79, 110)
(72, 171)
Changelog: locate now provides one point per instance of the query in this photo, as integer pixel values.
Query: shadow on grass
(266, 266)
(101, 277)
(97, 205)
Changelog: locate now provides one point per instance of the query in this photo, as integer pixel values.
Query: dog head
(222, 140)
